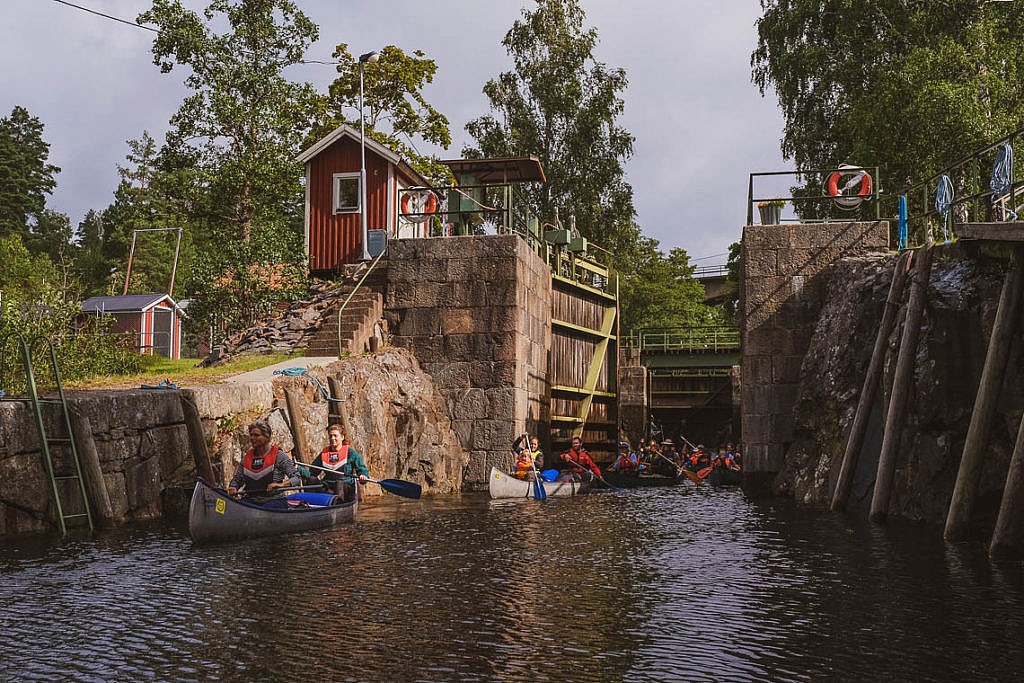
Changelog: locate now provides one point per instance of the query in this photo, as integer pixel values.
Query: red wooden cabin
(151, 321)
(333, 227)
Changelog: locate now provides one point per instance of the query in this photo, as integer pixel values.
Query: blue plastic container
(319, 499)
(549, 475)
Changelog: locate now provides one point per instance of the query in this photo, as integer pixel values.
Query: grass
(182, 372)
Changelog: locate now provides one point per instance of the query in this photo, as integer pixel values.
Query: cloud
(701, 127)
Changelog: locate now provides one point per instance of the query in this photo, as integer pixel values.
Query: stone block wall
(632, 389)
(476, 313)
(784, 281)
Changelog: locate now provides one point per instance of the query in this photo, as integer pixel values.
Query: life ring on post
(418, 204)
(853, 191)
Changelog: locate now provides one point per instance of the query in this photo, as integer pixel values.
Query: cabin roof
(345, 130)
(501, 170)
(128, 303)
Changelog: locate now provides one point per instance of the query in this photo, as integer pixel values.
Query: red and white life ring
(418, 204)
(853, 191)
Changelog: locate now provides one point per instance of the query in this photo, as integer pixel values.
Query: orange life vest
(258, 470)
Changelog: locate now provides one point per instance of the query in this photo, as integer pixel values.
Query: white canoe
(504, 485)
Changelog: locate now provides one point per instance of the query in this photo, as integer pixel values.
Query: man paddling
(576, 461)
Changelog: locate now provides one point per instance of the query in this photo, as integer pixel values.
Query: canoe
(723, 477)
(633, 480)
(504, 485)
(215, 516)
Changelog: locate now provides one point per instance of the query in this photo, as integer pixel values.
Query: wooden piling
(197, 439)
(1008, 536)
(965, 492)
(294, 403)
(871, 381)
(338, 407)
(92, 473)
(902, 383)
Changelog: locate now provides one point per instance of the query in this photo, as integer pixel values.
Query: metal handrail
(712, 338)
(974, 200)
(752, 200)
(373, 264)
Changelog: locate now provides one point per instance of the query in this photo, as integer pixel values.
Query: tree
(393, 104)
(26, 176)
(229, 162)
(908, 86)
(562, 105)
(661, 292)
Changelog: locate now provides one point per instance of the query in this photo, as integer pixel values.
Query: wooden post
(197, 439)
(871, 381)
(1008, 537)
(338, 407)
(294, 403)
(965, 492)
(92, 473)
(901, 384)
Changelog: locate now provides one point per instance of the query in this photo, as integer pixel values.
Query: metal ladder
(46, 441)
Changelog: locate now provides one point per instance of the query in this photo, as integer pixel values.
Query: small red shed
(333, 221)
(152, 321)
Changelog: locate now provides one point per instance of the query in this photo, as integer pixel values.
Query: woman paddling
(339, 464)
(264, 469)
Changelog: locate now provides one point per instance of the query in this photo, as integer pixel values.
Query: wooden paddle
(399, 487)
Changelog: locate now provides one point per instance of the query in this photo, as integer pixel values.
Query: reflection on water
(671, 584)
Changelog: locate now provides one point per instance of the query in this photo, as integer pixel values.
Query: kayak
(215, 516)
(504, 485)
(634, 480)
(723, 477)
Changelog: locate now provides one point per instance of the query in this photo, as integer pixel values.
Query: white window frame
(336, 186)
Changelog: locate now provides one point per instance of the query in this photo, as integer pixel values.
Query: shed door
(163, 322)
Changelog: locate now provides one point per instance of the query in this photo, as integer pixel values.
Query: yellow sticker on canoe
(221, 506)
(497, 475)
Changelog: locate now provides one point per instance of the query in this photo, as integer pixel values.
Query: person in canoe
(627, 462)
(344, 462)
(528, 458)
(264, 470)
(576, 463)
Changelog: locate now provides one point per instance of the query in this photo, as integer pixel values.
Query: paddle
(399, 487)
(538, 484)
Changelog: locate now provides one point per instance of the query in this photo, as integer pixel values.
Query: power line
(106, 16)
(154, 30)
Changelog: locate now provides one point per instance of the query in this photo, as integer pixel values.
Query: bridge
(716, 282)
(690, 383)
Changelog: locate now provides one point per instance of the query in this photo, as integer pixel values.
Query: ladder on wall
(32, 398)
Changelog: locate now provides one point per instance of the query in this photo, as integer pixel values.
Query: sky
(701, 126)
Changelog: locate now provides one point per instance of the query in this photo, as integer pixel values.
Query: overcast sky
(700, 124)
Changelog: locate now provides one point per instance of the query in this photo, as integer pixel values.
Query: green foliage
(25, 175)
(562, 105)
(661, 292)
(394, 105)
(228, 168)
(908, 86)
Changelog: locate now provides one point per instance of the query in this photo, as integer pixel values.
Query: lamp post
(368, 58)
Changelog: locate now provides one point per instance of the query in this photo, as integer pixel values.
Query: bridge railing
(692, 339)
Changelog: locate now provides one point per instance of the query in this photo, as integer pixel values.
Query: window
(346, 192)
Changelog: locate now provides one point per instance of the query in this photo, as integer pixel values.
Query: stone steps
(358, 320)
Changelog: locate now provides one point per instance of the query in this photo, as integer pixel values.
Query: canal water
(653, 585)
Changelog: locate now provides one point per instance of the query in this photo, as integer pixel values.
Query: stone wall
(476, 312)
(395, 417)
(632, 388)
(784, 286)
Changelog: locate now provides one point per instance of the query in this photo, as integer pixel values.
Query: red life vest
(334, 460)
(258, 470)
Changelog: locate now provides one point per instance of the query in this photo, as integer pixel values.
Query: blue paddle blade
(538, 490)
(405, 489)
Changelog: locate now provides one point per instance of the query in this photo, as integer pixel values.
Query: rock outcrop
(963, 294)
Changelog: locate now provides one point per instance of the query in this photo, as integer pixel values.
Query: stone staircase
(358, 321)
